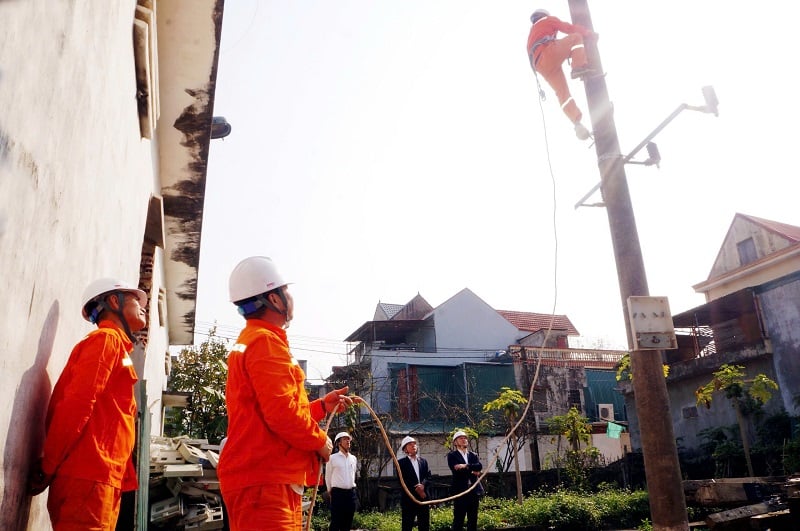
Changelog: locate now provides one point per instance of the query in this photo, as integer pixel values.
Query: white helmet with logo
(342, 434)
(460, 433)
(254, 276)
(105, 286)
(407, 439)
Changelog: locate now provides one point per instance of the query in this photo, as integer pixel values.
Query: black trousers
(466, 506)
(410, 510)
(343, 507)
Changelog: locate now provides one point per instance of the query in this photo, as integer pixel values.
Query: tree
(625, 371)
(745, 395)
(202, 372)
(509, 403)
(577, 431)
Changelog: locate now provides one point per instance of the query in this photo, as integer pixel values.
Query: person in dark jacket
(466, 467)
(417, 476)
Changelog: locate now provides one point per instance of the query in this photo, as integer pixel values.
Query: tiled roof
(390, 309)
(790, 232)
(533, 322)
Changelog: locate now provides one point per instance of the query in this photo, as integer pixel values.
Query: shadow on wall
(26, 431)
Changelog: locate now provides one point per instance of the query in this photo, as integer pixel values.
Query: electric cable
(530, 400)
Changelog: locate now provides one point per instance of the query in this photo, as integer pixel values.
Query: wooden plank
(739, 514)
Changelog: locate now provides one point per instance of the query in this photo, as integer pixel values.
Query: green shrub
(559, 511)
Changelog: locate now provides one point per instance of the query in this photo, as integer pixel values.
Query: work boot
(581, 132)
(582, 72)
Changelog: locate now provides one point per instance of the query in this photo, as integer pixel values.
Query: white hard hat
(104, 286)
(460, 433)
(254, 276)
(407, 439)
(342, 434)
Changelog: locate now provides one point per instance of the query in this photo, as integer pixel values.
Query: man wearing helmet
(466, 467)
(546, 54)
(274, 443)
(340, 480)
(416, 476)
(90, 425)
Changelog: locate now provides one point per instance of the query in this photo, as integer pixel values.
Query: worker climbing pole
(547, 53)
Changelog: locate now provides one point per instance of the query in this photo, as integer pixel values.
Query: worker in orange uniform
(546, 53)
(90, 425)
(275, 443)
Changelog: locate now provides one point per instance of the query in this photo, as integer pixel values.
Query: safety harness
(531, 52)
(536, 44)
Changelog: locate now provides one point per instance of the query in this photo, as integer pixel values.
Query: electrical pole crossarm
(709, 107)
(682, 107)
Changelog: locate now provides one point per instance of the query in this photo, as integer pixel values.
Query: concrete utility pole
(662, 469)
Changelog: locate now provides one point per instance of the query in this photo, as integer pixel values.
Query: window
(540, 399)
(690, 412)
(574, 399)
(747, 251)
(145, 49)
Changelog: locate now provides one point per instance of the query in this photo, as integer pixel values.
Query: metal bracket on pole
(710, 107)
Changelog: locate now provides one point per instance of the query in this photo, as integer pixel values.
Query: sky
(385, 149)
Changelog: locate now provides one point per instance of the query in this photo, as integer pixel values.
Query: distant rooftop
(533, 322)
(790, 232)
(390, 309)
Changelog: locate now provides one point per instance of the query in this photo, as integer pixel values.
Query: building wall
(766, 243)
(550, 448)
(780, 308)
(76, 178)
(467, 325)
(763, 273)
(432, 448)
(687, 427)
(780, 305)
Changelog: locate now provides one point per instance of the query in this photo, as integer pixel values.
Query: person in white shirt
(340, 480)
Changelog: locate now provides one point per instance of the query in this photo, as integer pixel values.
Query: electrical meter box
(651, 323)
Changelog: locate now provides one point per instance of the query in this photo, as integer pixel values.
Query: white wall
(432, 448)
(75, 180)
(466, 323)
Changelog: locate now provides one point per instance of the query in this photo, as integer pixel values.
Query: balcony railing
(567, 357)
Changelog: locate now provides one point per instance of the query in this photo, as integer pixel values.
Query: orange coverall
(273, 432)
(548, 57)
(91, 431)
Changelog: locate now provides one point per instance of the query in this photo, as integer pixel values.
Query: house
(446, 341)
(104, 141)
(426, 370)
(751, 318)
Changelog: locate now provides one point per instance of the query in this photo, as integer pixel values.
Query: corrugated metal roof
(533, 322)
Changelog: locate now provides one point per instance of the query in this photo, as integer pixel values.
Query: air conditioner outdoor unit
(605, 412)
